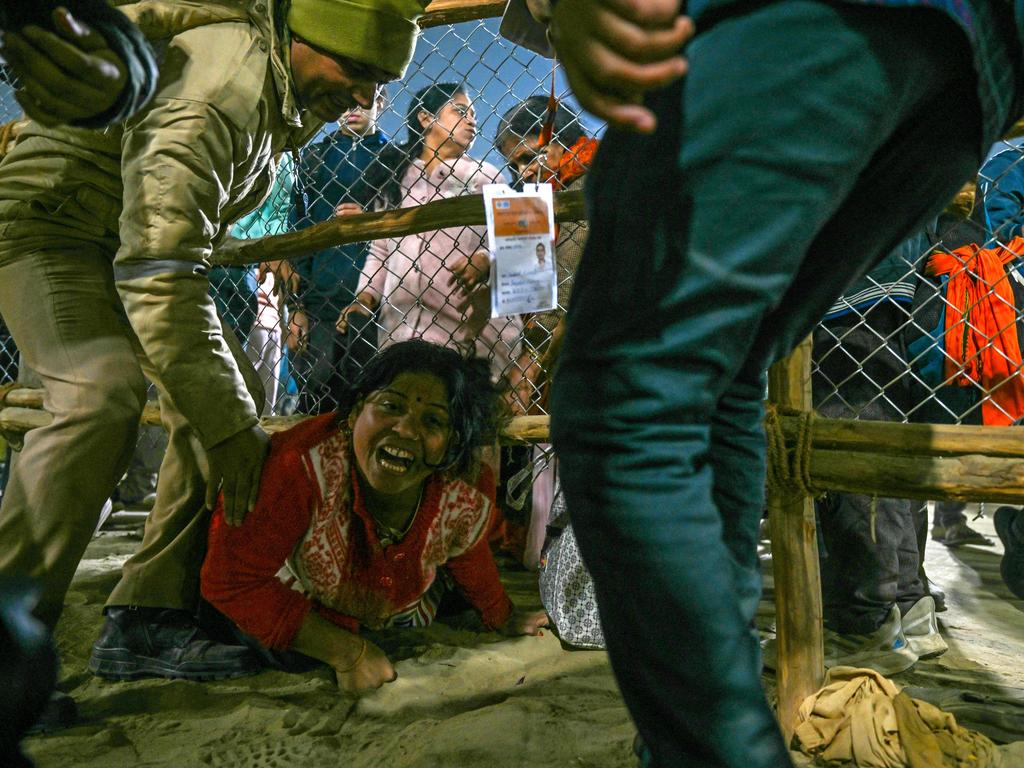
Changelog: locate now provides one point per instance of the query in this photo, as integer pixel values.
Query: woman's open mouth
(397, 460)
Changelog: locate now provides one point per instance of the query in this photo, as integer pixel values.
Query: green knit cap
(378, 32)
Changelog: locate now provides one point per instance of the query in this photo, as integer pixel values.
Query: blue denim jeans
(805, 142)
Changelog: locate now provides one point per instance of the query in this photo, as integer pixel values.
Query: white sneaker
(885, 650)
(921, 629)
(105, 513)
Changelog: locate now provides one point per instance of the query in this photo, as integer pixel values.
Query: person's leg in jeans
(263, 348)
(677, 311)
(316, 364)
(949, 513)
(870, 560)
(951, 527)
(869, 567)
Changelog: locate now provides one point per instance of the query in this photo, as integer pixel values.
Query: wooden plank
(441, 12)
(23, 412)
(838, 435)
(916, 461)
(938, 478)
(895, 438)
(467, 210)
(798, 611)
(954, 463)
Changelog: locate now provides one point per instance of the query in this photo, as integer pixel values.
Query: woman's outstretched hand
(525, 623)
(367, 672)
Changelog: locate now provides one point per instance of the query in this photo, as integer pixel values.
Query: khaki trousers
(60, 303)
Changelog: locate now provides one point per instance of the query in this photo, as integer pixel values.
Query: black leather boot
(161, 642)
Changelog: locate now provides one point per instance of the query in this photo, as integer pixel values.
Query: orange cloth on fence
(575, 161)
(981, 326)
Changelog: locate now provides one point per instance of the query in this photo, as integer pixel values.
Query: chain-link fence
(931, 335)
(311, 323)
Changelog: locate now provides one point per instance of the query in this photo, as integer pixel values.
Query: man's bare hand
(297, 338)
(348, 209)
(614, 51)
(470, 272)
(365, 304)
(235, 467)
(65, 76)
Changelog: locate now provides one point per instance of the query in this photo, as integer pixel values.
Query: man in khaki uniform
(104, 246)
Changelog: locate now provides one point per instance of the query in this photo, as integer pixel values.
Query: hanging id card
(521, 240)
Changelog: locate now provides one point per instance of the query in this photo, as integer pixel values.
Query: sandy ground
(463, 698)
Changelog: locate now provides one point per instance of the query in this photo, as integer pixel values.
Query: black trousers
(869, 546)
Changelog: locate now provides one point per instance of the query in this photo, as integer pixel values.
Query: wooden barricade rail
(464, 211)
(441, 12)
(917, 461)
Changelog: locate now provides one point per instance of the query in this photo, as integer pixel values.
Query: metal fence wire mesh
(310, 324)
(932, 334)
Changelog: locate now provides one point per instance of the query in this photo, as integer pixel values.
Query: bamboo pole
(917, 461)
(833, 442)
(23, 411)
(441, 12)
(798, 611)
(972, 477)
(467, 210)
(896, 439)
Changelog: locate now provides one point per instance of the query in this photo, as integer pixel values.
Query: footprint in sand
(316, 723)
(255, 750)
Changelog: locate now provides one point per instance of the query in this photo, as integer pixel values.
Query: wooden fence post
(798, 613)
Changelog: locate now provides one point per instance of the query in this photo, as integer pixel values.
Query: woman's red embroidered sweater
(310, 543)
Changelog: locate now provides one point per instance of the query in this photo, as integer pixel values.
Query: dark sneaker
(157, 642)
(1010, 527)
(937, 595)
(959, 535)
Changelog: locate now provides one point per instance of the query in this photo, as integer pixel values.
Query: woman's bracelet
(359, 658)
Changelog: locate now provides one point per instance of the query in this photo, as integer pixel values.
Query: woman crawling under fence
(365, 517)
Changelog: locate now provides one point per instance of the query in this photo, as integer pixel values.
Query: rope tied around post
(789, 471)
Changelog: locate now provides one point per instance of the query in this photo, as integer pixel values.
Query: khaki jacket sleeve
(177, 167)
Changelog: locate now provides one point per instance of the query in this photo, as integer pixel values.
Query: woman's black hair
(383, 179)
(476, 408)
(527, 119)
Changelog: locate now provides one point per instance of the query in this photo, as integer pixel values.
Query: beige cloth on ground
(860, 717)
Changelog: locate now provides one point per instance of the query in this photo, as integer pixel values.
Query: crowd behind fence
(931, 335)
